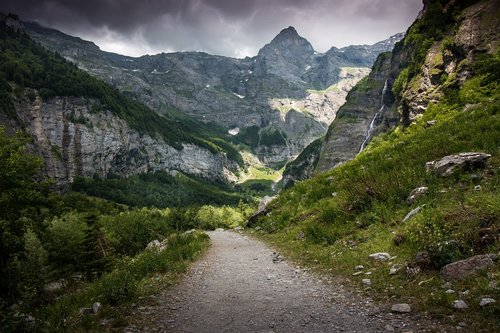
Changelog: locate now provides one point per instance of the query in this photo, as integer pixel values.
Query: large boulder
(448, 164)
(463, 268)
(260, 211)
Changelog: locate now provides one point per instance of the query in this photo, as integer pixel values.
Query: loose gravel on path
(241, 285)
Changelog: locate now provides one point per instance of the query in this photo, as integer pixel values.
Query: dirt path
(242, 286)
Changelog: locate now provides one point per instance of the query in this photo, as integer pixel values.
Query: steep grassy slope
(336, 219)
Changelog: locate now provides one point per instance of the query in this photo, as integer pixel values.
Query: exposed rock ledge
(77, 142)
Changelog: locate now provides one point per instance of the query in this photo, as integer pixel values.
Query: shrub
(65, 243)
(211, 217)
(128, 233)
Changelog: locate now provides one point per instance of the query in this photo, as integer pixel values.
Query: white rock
(380, 256)
(460, 304)
(417, 193)
(450, 291)
(412, 213)
(155, 245)
(96, 307)
(401, 308)
(367, 282)
(486, 301)
(359, 268)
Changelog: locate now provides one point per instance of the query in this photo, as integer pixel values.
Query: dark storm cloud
(226, 27)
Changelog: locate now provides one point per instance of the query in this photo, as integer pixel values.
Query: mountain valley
(355, 189)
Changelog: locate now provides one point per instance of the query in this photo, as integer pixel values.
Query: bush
(65, 243)
(211, 217)
(128, 233)
(123, 283)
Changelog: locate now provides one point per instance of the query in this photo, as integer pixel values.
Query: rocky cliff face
(436, 54)
(359, 119)
(74, 141)
(286, 75)
(448, 60)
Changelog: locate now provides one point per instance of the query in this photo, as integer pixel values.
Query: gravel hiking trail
(241, 285)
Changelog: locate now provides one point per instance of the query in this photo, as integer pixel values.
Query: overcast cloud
(235, 28)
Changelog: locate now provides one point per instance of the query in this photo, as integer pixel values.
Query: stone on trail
(460, 304)
(401, 308)
(486, 301)
(367, 282)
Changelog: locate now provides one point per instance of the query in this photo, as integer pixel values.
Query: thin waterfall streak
(371, 128)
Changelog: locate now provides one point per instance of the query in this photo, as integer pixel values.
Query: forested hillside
(64, 251)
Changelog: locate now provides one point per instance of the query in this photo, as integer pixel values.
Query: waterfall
(371, 128)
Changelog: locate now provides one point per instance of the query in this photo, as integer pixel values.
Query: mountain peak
(288, 33)
(289, 38)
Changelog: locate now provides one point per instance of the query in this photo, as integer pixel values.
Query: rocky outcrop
(360, 118)
(449, 164)
(447, 61)
(262, 209)
(303, 166)
(463, 268)
(287, 74)
(74, 141)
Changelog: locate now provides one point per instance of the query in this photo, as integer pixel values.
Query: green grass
(133, 278)
(369, 203)
(260, 172)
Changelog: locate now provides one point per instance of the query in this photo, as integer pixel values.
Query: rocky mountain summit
(275, 103)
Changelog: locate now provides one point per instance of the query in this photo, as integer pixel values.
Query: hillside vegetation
(335, 220)
(60, 253)
(64, 252)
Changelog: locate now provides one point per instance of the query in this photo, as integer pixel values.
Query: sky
(235, 28)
